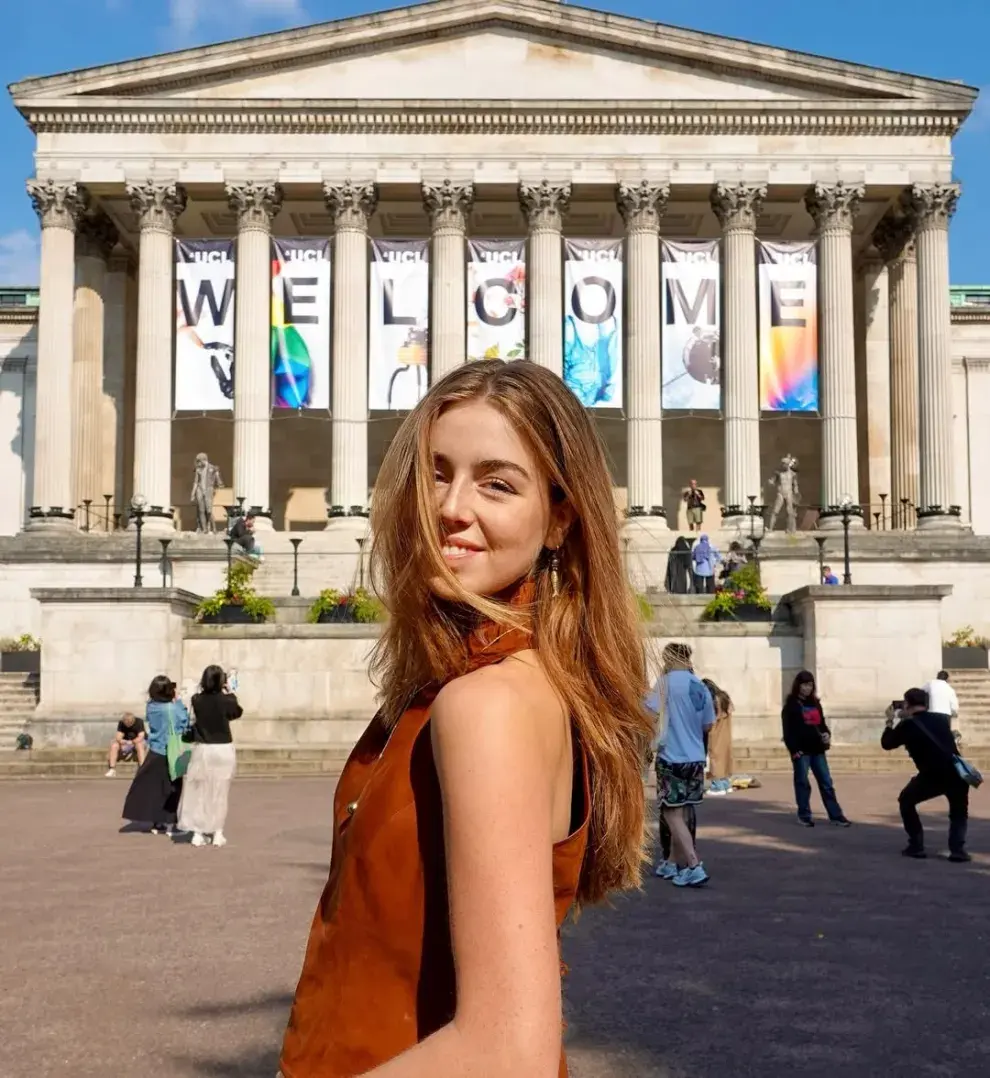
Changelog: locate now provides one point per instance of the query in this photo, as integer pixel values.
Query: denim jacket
(156, 719)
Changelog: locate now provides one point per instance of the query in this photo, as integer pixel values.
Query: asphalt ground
(810, 953)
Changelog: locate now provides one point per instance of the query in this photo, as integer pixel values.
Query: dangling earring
(555, 572)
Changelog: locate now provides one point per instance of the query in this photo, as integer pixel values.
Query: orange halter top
(378, 976)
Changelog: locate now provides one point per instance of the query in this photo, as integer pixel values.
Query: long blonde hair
(588, 636)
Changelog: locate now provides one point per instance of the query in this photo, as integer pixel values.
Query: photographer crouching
(928, 739)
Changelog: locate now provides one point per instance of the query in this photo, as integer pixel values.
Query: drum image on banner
(398, 337)
(593, 321)
(691, 371)
(204, 321)
(496, 299)
(301, 323)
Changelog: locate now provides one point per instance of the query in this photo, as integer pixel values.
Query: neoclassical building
(526, 120)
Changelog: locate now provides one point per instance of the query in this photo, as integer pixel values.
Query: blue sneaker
(666, 870)
(691, 877)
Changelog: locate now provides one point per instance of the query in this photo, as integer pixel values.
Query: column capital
(350, 204)
(738, 205)
(58, 205)
(96, 236)
(256, 204)
(642, 204)
(158, 204)
(894, 238)
(545, 204)
(930, 205)
(833, 206)
(448, 204)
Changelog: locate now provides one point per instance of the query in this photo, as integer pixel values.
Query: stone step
(772, 756)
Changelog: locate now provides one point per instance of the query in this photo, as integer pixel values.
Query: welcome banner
(593, 321)
(496, 299)
(398, 339)
(204, 319)
(691, 369)
(788, 327)
(301, 323)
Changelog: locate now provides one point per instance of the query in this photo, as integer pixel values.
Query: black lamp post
(295, 565)
(905, 502)
(846, 517)
(230, 548)
(87, 502)
(360, 543)
(820, 540)
(876, 521)
(165, 562)
(108, 498)
(883, 511)
(138, 504)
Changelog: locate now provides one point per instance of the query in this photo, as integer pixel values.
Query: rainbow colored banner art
(301, 323)
(788, 327)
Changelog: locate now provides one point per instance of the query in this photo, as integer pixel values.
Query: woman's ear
(561, 519)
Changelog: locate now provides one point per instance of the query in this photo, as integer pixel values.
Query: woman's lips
(454, 553)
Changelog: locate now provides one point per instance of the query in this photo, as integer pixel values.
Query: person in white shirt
(942, 699)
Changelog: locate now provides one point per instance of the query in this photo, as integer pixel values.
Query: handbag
(177, 752)
(969, 774)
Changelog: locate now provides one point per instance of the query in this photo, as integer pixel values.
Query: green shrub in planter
(237, 592)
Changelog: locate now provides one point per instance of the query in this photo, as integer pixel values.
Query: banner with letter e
(496, 299)
(204, 325)
(399, 311)
(593, 321)
(788, 326)
(691, 369)
(301, 323)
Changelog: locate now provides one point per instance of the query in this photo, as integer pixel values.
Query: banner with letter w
(204, 334)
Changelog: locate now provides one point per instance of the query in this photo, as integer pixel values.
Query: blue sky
(914, 36)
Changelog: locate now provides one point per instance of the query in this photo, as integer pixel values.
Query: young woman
(720, 741)
(205, 789)
(807, 737)
(153, 796)
(686, 714)
(501, 781)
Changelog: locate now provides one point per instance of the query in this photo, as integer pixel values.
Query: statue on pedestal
(206, 482)
(788, 495)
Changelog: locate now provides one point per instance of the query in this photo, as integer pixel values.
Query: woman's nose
(455, 504)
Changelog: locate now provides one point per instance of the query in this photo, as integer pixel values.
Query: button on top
(351, 808)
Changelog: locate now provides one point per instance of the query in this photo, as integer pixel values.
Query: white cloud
(187, 16)
(20, 253)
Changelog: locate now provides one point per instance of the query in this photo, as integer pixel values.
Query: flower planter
(965, 658)
(339, 615)
(20, 662)
(231, 615)
(743, 612)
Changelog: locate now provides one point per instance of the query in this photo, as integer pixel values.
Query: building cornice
(970, 315)
(327, 117)
(18, 316)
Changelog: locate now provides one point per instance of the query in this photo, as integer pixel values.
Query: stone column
(641, 206)
(930, 208)
(833, 208)
(114, 380)
(873, 287)
(256, 205)
(545, 205)
(448, 205)
(737, 207)
(95, 239)
(158, 206)
(351, 205)
(59, 207)
(894, 238)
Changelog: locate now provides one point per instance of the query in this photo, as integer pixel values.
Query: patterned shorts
(680, 784)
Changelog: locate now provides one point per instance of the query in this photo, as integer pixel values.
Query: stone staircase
(973, 689)
(18, 699)
(761, 757)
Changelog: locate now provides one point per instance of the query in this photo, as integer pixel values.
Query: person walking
(501, 781)
(705, 560)
(685, 712)
(206, 788)
(807, 737)
(927, 736)
(153, 796)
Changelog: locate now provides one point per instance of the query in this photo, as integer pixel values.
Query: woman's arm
(791, 710)
(235, 711)
(496, 776)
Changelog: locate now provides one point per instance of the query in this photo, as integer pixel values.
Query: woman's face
(495, 513)
(805, 689)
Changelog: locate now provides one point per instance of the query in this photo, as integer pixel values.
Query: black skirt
(153, 796)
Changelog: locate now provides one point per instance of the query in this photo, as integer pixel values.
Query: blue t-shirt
(688, 712)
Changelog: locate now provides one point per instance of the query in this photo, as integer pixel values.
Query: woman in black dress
(154, 795)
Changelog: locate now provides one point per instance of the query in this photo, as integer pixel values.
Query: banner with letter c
(788, 326)
(398, 338)
(593, 321)
(496, 299)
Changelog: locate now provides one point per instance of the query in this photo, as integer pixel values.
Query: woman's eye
(501, 486)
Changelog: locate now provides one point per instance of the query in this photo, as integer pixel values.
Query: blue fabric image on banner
(589, 368)
(593, 321)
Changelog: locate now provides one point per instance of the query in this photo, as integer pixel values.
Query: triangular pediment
(491, 50)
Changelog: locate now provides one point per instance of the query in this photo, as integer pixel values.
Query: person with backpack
(927, 736)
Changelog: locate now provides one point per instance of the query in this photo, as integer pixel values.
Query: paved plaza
(812, 952)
